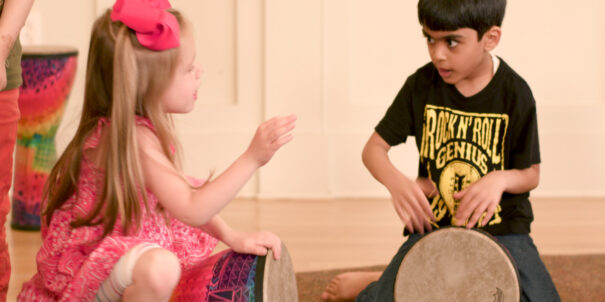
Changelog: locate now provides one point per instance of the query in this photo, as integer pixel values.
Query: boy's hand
(269, 137)
(427, 186)
(481, 197)
(256, 243)
(411, 204)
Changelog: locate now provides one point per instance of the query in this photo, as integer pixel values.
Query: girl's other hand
(269, 137)
(256, 243)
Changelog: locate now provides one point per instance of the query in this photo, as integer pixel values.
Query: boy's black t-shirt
(461, 139)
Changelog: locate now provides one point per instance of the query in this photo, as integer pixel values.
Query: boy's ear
(491, 38)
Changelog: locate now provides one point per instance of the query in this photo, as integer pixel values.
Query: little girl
(121, 221)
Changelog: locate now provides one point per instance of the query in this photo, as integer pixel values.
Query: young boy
(474, 121)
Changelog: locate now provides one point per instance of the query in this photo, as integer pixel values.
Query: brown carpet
(577, 278)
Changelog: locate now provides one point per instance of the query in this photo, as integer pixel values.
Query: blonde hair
(123, 80)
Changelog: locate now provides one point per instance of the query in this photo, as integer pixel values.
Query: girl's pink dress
(73, 263)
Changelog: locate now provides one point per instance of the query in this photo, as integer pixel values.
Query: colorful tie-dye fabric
(47, 82)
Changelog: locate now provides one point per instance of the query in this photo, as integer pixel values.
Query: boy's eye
(452, 43)
(430, 40)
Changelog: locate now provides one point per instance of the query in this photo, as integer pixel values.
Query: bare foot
(346, 286)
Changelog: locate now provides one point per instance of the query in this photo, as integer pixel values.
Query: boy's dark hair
(449, 15)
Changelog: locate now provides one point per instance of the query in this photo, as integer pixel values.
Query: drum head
(49, 51)
(456, 264)
(278, 279)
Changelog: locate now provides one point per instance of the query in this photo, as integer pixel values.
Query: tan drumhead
(279, 281)
(456, 264)
(48, 50)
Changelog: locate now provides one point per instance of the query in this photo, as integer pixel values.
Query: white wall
(338, 64)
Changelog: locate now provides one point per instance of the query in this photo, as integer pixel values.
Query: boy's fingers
(461, 220)
(405, 218)
(488, 215)
(413, 210)
(462, 214)
(423, 203)
(427, 224)
(418, 221)
(475, 210)
(475, 217)
(467, 204)
(459, 194)
(420, 209)
(409, 226)
(427, 209)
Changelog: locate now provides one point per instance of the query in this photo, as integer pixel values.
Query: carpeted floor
(577, 278)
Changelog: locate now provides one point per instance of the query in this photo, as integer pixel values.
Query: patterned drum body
(232, 277)
(48, 75)
(457, 264)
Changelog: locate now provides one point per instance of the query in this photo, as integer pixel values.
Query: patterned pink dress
(73, 263)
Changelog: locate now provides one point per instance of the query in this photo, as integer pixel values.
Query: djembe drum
(48, 75)
(232, 277)
(457, 264)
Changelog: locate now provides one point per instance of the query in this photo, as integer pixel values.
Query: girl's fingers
(272, 242)
(278, 128)
(276, 250)
(283, 140)
(280, 121)
(279, 133)
(259, 250)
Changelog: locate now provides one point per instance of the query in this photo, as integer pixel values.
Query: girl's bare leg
(155, 275)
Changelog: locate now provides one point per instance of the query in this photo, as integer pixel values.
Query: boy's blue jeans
(536, 284)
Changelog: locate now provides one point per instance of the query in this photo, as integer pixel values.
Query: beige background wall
(338, 64)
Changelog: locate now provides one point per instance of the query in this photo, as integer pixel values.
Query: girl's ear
(491, 38)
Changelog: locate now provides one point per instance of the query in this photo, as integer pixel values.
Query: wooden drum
(457, 264)
(232, 277)
(48, 75)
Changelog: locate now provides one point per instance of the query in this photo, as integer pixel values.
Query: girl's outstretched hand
(269, 137)
(256, 243)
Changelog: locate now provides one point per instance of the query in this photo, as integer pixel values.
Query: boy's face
(458, 55)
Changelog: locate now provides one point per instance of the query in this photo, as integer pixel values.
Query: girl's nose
(199, 72)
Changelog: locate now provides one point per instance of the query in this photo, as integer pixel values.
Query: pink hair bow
(155, 28)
